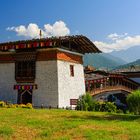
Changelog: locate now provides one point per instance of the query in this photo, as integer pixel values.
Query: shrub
(133, 101)
(21, 105)
(105, 107)
(2, 104)
(97, 106)
(29, 105)
(110, 107)
(119, 111)
(9, 105)
(85, 103)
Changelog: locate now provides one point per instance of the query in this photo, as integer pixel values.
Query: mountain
(136, 64)
(102, 61)
(129, 55)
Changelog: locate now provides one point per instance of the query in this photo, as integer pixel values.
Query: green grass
(38, 124)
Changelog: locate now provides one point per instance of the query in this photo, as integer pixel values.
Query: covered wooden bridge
(101, 84)
(111, 89)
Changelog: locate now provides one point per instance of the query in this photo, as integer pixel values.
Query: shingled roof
(77, 43)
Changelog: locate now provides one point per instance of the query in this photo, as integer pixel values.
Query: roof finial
(40, 34)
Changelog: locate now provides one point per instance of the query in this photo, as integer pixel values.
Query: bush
(85, 102)
(110, 107)
(119, 111)
(105, 107)
(2, 104)
(9, 105)
(133, 101)
(29, 105)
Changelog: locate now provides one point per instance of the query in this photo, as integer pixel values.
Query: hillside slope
(103, 60)
(129, 55)
(128, 65)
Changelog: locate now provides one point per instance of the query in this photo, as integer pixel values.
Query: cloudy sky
(110, 24)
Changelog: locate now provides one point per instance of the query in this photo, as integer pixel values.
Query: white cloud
(116, 36)
(124, 42)
(59, 28)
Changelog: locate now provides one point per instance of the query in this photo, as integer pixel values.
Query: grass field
(18, 124)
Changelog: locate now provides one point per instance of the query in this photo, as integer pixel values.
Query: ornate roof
(78, 43)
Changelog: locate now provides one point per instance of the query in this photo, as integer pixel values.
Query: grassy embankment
(46, 124)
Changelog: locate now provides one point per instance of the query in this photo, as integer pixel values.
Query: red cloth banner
(35, 44)
(25, 87)
(47, 43)
(41, 44)
(28, 45)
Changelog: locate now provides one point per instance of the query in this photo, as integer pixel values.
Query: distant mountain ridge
(102, 61)
(115, 59)
(129, 55)
(135, 64)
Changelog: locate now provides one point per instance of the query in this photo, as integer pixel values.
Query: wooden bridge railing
(110, 88)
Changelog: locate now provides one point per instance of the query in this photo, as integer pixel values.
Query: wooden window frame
(72, 70)
(25, 71)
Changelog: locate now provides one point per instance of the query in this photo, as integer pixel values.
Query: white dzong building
(44, 72)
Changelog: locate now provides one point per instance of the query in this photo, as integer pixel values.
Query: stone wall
(7, 81)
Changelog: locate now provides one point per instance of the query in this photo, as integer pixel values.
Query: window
(72, 70)
(25, 70)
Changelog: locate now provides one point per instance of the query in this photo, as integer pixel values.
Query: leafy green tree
(133, 101)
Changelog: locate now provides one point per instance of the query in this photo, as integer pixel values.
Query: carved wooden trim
(41, 56)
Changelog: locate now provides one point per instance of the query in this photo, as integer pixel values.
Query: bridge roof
(136, 80)
(99, 75)
(132, 74)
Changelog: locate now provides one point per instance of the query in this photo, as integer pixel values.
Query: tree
(133, 101)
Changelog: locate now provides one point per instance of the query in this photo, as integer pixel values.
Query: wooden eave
(79, 42)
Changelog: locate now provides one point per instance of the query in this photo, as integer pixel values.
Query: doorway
(24, 96)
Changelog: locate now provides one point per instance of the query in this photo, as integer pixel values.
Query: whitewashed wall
(55, 85)
(7, 81)
(46, 79)
(69, 87)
